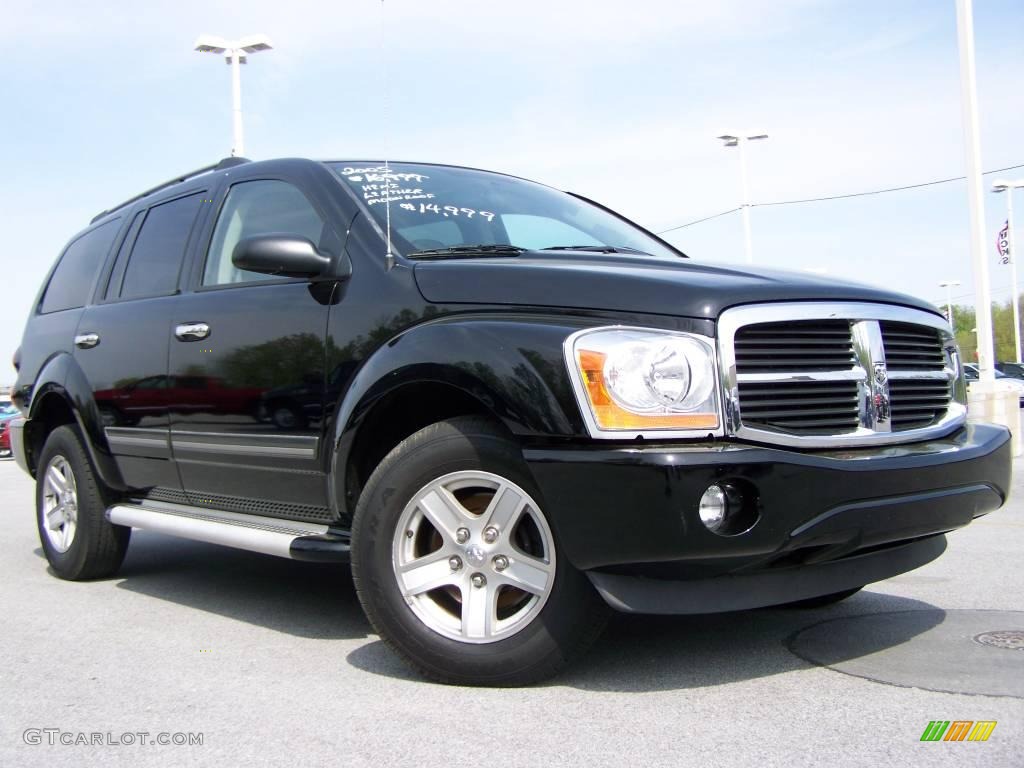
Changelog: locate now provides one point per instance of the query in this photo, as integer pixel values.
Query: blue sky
(617, 101)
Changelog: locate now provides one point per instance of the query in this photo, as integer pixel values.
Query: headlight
(632, 380)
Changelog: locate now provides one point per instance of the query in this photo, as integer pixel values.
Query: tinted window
(257, 208)
(159, 249)
(72, 280)
(117, 274)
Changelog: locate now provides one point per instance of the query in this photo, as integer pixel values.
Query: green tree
(965, 324)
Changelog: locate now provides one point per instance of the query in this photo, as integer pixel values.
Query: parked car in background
(7, 412)
(5, 439)
(971, 374)
(1013, 370)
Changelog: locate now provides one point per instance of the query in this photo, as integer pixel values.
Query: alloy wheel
(473, 557)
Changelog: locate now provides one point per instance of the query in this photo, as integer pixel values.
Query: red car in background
(6, 414)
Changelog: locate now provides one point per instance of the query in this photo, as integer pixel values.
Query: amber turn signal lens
(609, 415)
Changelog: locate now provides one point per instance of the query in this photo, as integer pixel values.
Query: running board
(271, 536)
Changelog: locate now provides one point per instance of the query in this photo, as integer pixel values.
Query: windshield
(438, 207)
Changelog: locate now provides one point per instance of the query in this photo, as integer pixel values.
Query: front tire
(78, 541)
(457, 567)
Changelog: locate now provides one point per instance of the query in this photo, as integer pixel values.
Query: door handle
(192, 331)
(87, 340)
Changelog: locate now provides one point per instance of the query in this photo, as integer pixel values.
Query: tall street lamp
(1001, 185)
(975, 190)
(948, 285)
(739, 140)
(235, 53)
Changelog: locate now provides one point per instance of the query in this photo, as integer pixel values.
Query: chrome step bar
(269, 535)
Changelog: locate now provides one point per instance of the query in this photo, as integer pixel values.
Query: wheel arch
(509, 370)
(61, 395)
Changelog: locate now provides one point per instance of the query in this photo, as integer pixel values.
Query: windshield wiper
(468, 251)
(598, 249)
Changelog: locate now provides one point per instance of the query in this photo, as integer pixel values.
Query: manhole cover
(953, 651)
(1010, 639)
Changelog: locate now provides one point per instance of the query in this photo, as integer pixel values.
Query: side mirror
(280, 254)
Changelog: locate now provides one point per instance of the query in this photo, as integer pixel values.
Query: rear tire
(501, 605)
(78, 540)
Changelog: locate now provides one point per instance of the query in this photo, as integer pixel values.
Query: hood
(615, 282)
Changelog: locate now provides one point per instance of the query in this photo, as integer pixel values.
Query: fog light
(714, 505)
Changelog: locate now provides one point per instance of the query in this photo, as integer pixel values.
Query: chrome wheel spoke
(528, 574)
(504, 510)
(56, 480)
(479, 611)
(444, 511)
(54, 517)
(427, 573)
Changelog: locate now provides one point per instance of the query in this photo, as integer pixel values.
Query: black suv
(506, 406)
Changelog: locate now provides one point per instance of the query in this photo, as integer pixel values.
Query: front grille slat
(801, 349)
(797, 407)
(825, 345)
(912, 347)
(914, 404)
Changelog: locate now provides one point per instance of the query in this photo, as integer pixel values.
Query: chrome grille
(800, 346)
(912, 347)
(800, 407)
(915, 403)
(838, 374)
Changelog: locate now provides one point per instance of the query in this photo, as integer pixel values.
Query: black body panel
(741, 591)
(627, 506)
(126, 374)
(624, 283)
(228, 436)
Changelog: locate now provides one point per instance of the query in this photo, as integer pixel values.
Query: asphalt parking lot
(273, 663)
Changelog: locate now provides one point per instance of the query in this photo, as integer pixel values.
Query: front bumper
(631, 513)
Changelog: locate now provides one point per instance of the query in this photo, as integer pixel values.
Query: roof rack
(227, 162)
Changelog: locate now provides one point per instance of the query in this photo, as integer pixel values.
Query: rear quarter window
(72, 280)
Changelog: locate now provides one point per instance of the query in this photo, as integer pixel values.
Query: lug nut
(454, 563)
(490, 534)
(500, 563)
(478, 580)
(462, 535)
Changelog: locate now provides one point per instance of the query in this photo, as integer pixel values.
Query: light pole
(739, 140)
(948, 285)
(1008, 186)
(235, 53)
(975, 190)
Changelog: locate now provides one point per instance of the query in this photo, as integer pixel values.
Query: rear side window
(73, 278)
(159, 249)
(117, 274)
(258, 208)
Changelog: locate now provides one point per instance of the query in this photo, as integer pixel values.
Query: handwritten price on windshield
(446, 211)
